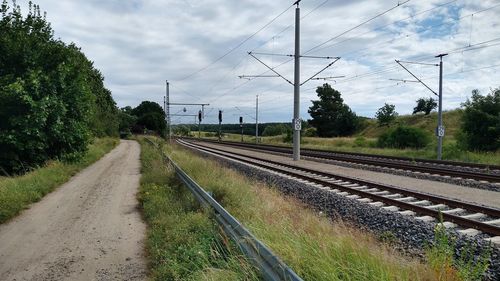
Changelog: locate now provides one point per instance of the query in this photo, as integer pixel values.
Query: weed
(313, 246)
(183, 241)
(468, 265)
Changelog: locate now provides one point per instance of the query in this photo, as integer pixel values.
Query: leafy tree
(330, 116)
(150, 115)
(182, 130)
(386, 114)
(127, 121)
(49, 94)
(481, 121)
(147, 107)
(425, 105)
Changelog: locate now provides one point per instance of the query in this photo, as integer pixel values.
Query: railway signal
(220, 124)
(199, 123)
(241, 127)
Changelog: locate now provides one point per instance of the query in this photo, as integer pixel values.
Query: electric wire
(235, 47)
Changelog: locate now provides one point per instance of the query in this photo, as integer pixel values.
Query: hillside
(451, 121)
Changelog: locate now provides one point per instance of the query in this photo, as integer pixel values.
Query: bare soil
(88, 229)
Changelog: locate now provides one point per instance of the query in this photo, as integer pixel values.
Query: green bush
(52, 99)
(404, 137)
(481, 122)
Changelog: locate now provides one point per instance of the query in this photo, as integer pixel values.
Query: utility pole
(440, 128)
(167, 111)
(220, 124)
(241, 127)
(296, 121)
(296, 89)
(257, 119)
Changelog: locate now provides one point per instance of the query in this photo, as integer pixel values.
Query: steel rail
(486, 228)
(272, 268)
(381, 161)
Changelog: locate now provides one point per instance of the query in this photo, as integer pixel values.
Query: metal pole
(164, 110)
(169, 128)
(257, 119)
(440, 129)
(296, 89)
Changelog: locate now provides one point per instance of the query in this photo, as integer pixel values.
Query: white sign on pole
(297, 124)
(440, 131)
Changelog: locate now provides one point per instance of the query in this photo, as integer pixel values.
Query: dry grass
(315, 247)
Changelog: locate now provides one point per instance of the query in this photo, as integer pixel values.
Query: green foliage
(51, 98)
(184, 243)
(404, 137)
(182, 130)
(330, 116)
(386, 114)
(150, 116)
(449, 259)
(425, 106)
(275, 130)
(481, 122)
(127, 120)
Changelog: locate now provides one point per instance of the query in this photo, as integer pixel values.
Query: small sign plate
(297, 124)
(440, 131)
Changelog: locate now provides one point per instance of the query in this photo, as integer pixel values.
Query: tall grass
(183, 241)
(17, 193)
(315, 247)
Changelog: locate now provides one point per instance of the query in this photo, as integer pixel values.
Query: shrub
(481, 122)
(404, 137)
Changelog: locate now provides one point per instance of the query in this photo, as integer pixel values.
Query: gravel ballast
(412, 234)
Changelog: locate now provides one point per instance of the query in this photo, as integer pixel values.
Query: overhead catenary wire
(355, 27)
(235, 47)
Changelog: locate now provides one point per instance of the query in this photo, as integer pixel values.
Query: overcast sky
(139, 44)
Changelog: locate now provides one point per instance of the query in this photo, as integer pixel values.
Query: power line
(357, 26)
(235, 47)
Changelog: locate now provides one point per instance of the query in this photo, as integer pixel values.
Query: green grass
(183, 241)
(315, 247)
(368, 145)
(17, 193)
(365, 140)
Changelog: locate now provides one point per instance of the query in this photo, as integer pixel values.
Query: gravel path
(484, 197)
(88, 229)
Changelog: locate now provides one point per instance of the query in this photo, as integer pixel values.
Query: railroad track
(468, 219)
(460, 170)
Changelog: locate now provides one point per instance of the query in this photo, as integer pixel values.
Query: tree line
(479, 124)
(52, 98)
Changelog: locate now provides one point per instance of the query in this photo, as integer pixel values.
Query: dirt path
(88, 229)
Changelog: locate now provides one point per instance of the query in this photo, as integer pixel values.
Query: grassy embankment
(17, 193)
(183, 242)
(365, 141)
(314, 246)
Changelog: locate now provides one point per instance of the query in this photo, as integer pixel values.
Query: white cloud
(138, 44)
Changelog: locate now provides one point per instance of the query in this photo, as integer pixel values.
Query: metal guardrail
(272, 268)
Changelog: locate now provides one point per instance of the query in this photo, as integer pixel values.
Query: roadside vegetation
(472, 131)
(315, 247)
(53, 99)
(183, 241)
(18, 192)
